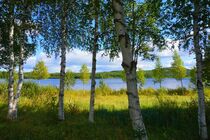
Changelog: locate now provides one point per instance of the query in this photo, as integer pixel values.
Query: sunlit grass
(167, 117)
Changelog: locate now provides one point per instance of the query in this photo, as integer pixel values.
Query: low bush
(147, 91)
(3, 88)
(103, 89)
(30, 89)
(180, 91)
(162, 91)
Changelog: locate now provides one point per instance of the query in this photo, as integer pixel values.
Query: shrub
(3, 88)
(119, 92)
(30, 89)
(179, 91)
(103, 89)
(52, 103)
(147, 91)
(162, 91)
(50, 90)
(72, 107)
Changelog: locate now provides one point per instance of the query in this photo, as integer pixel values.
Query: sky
(76, 58)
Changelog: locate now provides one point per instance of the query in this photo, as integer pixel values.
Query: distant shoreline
(100, 75)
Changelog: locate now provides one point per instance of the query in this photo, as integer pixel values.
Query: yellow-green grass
(166, 117)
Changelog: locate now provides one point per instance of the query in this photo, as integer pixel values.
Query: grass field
(167, 117)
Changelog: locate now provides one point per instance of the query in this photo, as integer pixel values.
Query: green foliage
(164, 91)
(147, 91)
(30, 89)
(85, 74)
(16, 11)
(69, 79)
(181, 91)
(142, 19)
(178, 69)
(140, 77)
(4, 75)
(3, 88)
(56, 16)
(40, 71)
(158, 73)
(178, 19)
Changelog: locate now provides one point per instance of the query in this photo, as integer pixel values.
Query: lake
(117, 83)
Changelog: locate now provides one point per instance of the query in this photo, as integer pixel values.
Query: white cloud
(75, 58)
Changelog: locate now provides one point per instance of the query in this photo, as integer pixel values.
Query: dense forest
(99, 75)
(135, 30)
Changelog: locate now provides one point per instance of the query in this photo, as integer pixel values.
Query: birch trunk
(93, 82)
(182, 83)
(63, 65)
(20, 82)
(160, 84)
(11, 70)
(201, 99)
(129, 66)
(182, 86)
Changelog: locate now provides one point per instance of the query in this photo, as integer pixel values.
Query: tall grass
(167, 116)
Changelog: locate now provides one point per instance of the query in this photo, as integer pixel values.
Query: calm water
(117, 83)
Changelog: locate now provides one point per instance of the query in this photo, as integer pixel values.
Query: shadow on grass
(163, 123)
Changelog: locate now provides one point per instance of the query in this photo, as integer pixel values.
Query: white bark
(93, 82)
(11, 73)
(129, 66)
(63, 64)
(20, 82)
(201, 98)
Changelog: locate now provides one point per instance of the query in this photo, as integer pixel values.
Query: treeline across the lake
(99, 75)
(133, 29)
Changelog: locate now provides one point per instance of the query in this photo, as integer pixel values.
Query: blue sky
(76, 58)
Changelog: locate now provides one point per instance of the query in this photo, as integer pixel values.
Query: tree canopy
(40, 71)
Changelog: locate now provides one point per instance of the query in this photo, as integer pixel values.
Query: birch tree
(136, 35)
(16, 18)
(97, 25)
(69, 79)
(11, 63)
(186, 21)
(158, 72)
(93, 71)
(178, 69)
(129, 66)
(85, 75)
(60, 29)
(40, 71)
